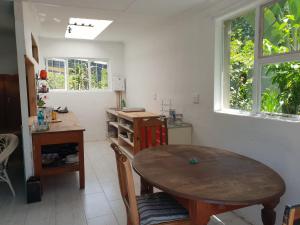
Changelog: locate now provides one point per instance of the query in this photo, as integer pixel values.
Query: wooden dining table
(209, 181)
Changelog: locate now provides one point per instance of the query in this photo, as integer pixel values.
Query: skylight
(85, 28)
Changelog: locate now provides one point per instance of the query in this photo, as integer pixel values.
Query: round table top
(220, 176)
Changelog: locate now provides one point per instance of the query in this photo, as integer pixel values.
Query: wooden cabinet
(122, 129)
(31, 87)
(180, 135)
(65, 132)
(10, 109)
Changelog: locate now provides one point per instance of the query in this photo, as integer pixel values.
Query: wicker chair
(8, 144)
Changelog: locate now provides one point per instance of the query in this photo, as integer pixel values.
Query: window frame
(65, 69)
(261, 29)
(109, 77)
(259, 62)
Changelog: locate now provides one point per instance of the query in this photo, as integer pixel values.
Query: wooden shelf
(128, 122)
(114, 124)
(126, 140)
(47, 171)
(112, 111)
(127, 150)
(126, 127)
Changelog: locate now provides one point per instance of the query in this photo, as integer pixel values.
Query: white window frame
(65, 68)
(259, 61)
(66, 89)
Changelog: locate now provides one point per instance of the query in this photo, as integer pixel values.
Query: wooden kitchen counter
(66, 131)
(136, 115)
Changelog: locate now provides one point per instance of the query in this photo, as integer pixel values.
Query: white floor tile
(96, 205)
(104, 220)
(100, 203)
(70, 217)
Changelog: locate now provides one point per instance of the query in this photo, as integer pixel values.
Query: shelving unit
(114, 124)
(126, 127)
(126, 140)
(122, 129)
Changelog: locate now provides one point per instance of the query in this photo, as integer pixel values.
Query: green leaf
(294, 8)
(271, 27)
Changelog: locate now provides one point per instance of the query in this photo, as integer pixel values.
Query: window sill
(292, 119)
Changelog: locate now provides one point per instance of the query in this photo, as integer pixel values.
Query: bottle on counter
(40, 117)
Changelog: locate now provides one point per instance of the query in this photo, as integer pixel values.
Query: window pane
(281, 88)
(78, 78)
(56, 73)
(281, 27)
(239, 62)
(99, 79)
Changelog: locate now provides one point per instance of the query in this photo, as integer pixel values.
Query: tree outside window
(279, 80)
(99, 79)
(78, 77)
(77, 74)
(56, 73)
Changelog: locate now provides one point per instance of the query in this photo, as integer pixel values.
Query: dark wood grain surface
(220, 177)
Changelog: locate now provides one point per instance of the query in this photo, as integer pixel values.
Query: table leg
(81, 163)
(200, 213)
(268, 213)
(146, 188)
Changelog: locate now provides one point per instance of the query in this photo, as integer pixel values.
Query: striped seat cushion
(159, 208)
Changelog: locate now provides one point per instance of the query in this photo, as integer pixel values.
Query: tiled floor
(64, 204)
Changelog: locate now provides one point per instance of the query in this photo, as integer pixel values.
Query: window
(77, 74)
(260, 64)
(281, 23)
(240, 55)
(56, 73)
(99, 75)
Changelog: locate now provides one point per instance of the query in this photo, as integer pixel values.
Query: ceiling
(6, 16)
(131, 17)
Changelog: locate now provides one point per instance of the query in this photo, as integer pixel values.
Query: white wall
(89, 107)
(26, 23)
(31, 27)
(176, 61)
(23, 15)
(8, 53)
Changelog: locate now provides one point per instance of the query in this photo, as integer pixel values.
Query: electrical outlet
(196, 98)
(155, 96)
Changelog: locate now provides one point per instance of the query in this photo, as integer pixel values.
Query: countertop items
(126, 109)
(68, 122)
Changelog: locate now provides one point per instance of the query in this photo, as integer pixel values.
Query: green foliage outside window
(280, 82)
(78, 78)
(99, 84)
(56, 80)
(241, 62)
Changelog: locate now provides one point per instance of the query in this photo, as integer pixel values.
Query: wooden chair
(291, 215)
(152, 132)
(158, 208)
